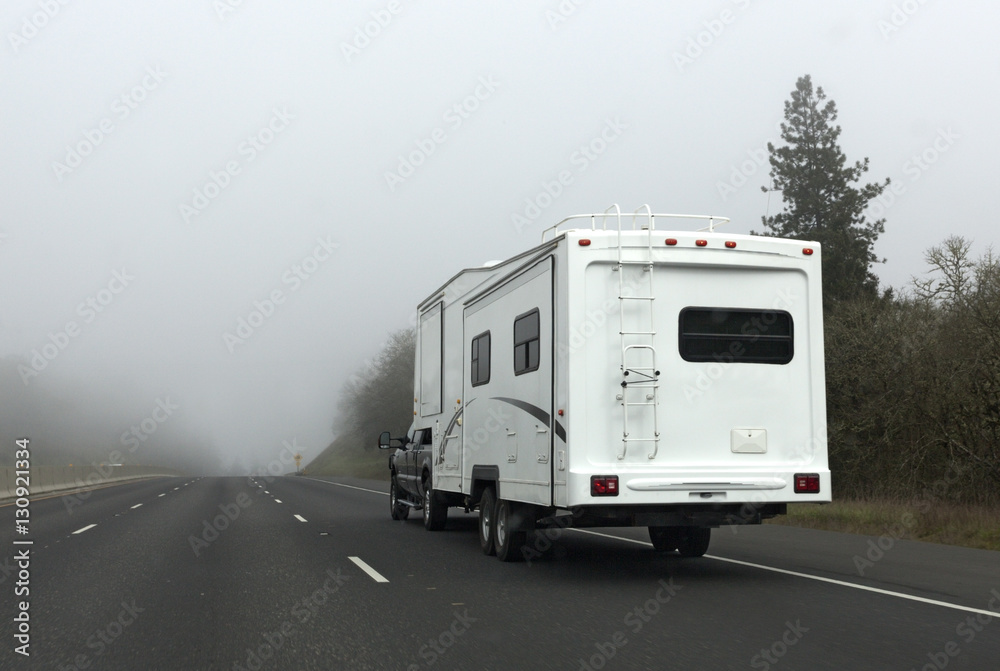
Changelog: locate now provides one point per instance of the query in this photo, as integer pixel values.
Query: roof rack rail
(614, 212)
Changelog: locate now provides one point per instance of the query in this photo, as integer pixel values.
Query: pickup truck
(410, 485)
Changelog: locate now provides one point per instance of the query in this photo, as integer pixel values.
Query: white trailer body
(639, 377)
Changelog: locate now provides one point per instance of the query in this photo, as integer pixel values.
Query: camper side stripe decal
(535, 412)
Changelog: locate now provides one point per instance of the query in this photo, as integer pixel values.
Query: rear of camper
(624, 375)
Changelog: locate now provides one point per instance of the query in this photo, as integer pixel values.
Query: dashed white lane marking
(161, 495)
(876, 590)
(135, 506)
(375, 575)
(300, 518)
(373, 491)
(80, 531)
(277, 500)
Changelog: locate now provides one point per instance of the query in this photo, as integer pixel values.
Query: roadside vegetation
(912, 374)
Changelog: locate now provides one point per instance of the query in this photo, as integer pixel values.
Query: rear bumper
(645, 488)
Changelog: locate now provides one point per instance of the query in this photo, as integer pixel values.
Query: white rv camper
(620, 375)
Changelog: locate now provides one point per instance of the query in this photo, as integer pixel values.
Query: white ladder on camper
(640, 374)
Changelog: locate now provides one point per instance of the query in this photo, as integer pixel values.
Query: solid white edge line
(373, 491)
(300, 518)
(832, 581)
(375, 575)
(135, 506)
(80, 531)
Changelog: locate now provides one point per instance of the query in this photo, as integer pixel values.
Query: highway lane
(228, 573)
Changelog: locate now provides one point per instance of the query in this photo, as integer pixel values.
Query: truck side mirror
(384, 441)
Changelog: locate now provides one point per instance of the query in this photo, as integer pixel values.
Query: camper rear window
(526, 342)
(480, 364)
(728, 335)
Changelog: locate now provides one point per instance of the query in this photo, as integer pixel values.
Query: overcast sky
(171, 168)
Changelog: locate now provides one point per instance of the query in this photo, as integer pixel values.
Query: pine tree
(821, 200)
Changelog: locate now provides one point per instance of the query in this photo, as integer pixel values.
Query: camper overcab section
(619, 374)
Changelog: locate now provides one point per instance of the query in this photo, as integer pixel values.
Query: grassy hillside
(345, 457)
(970, 526)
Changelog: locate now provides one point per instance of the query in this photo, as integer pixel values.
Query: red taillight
(808, 251)
(807, 483)
(604, 485)
(671, 241)
(585, 242)
(701, 243)
(730, 244)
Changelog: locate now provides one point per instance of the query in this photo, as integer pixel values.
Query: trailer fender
(483, 477)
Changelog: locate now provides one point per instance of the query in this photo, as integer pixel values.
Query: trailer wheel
(487, 517)
(508, 542)
(664, 539)
(398, 510)
(435, 511)
(694, 541)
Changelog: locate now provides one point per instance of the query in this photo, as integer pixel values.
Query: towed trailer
(620, 375)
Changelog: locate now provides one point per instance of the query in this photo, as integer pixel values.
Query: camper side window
(480, 364)
(729, 335)
(526, 342)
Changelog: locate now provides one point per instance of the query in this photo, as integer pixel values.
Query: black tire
(694, 541)
(664, 539)
(398, 511)
(508, 543)
(435, 511)
(487, 516)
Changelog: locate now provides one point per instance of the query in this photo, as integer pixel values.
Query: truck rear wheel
(694, 541)
(435, 511)
(397, 509)
(508, 542)
(487, 516)
(665, 539)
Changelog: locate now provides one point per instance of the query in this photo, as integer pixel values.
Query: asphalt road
(301, 573)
